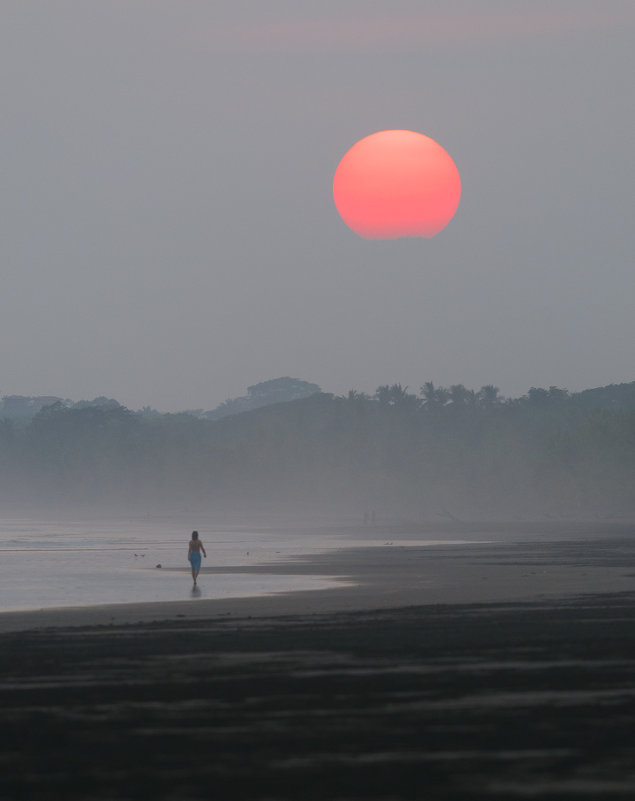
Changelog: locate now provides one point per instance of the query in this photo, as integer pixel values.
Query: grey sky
(167, 225)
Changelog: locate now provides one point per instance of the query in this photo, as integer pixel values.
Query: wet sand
(463, 672)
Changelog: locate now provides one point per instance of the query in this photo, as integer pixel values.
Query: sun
(395, 184)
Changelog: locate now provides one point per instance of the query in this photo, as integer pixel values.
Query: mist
(440, 454)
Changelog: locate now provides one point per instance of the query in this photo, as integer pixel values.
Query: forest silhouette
(442, 453)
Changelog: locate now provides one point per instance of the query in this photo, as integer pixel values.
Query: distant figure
(373, 518)
(194, 554)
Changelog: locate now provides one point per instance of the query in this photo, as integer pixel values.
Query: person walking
(194, 555)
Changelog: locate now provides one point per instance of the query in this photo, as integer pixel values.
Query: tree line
(440, 452)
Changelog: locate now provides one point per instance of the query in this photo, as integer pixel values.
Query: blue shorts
(195, 559)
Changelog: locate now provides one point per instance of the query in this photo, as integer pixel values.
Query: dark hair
(195, 535)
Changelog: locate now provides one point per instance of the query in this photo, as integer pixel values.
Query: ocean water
(48, 564)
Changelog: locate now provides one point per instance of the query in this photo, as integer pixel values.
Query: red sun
(396, 183)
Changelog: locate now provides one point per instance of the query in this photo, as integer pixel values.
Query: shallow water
(46, 564)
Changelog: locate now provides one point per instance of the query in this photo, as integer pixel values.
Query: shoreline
(387, 577)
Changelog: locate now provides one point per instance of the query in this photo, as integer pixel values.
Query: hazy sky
(168, 231)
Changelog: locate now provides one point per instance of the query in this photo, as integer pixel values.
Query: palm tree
(488, 397)
(402, 398)
(396, 396)
(460, 396)
(434, 397)
(383, 395)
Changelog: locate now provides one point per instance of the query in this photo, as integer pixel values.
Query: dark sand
(471, 672)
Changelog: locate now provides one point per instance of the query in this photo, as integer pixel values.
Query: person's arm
(203, 549)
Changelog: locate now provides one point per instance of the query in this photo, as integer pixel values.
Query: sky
(167, 225)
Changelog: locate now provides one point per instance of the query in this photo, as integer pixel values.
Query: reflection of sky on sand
(82, 563)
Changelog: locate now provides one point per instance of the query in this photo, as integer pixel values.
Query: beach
(502, 667)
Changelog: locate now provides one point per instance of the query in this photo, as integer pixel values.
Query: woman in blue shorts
(194, 554)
